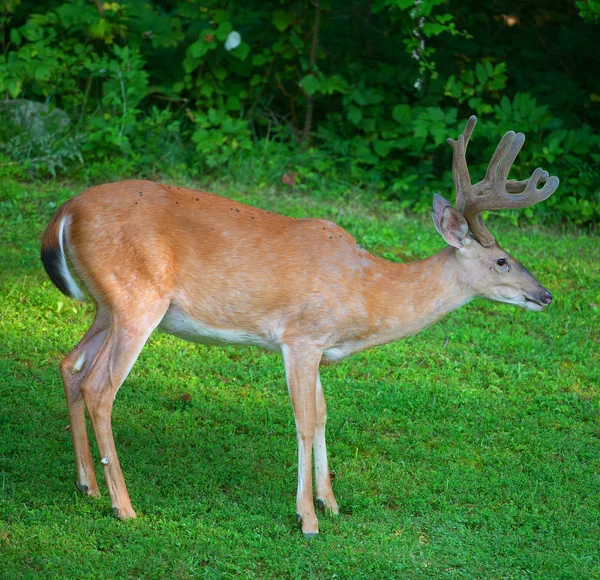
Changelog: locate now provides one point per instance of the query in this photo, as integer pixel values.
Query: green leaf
(443, 18)
(220, 16)
(198, 49)
(367, 96)
(42, 73)
(15, 37)
(282, 19)
(219, 72)
(332, 84)
(214, 116)
(436, 114)
(402, 114)
(420, 129)
(433, 29)
(241, 51)
(222, 32)
(311, 84)
(382, 148)
(101, 29)
(359, 97)
(233, 103)
(296, 41)
(14, 88)
(481, 74)
(258, 60)
(451, 115)
(354, 115)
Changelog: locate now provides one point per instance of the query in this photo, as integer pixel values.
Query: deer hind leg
(325, 497)
(116, 356)
(74, 368)
(301, 367)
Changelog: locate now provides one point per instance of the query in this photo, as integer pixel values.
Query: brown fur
(152, 254)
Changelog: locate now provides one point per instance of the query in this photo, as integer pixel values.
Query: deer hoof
(124, 514)
(310, 535)
(307, 528)
(91, 491)
(328, 506)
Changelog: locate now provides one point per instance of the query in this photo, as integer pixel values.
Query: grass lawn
(471, 450)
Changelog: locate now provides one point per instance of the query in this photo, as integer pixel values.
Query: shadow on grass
(172, 450)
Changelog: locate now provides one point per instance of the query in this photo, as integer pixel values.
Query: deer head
(487, 268)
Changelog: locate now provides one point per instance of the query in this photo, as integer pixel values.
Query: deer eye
(502, 262)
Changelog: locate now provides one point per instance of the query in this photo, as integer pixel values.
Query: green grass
(471, 450)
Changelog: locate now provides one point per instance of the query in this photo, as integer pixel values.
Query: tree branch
(310, 101)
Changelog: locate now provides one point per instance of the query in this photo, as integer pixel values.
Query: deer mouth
(534, 303)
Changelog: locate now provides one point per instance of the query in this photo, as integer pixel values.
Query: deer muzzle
(538, 300)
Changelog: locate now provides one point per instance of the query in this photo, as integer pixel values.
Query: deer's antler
(494, 191)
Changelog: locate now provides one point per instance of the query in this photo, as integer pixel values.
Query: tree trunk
(310, 101)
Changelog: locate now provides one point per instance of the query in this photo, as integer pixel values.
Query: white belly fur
(178, 323)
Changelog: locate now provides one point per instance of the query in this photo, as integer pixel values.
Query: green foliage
(589, 9)
(371, 90)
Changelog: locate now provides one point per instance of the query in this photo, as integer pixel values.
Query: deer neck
(414, 295)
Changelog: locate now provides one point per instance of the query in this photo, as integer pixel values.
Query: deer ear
(449, 223)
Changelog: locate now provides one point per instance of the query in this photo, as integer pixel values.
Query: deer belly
(179, 324)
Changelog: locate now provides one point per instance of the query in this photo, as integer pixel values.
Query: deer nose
(546, 297)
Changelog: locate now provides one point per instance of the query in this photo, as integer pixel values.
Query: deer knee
(306, 431)
(73, 363)
(321, 419)
(69, 369)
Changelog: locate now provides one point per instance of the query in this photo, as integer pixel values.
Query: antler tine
(499, 154)
(460, 170)
(514, 186)
(528, 192)
(469, 127)
(466, 199)
(514, 147)
(495, 191)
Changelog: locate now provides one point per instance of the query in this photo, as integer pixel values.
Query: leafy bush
(367, 94)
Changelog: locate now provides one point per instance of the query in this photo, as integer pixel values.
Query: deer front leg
(325, 497)
(301, 368)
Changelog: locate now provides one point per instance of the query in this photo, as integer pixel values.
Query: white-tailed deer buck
(214, 271)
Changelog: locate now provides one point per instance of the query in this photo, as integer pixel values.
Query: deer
(214, 271)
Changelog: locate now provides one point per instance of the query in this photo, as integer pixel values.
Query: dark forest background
(322, 94)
